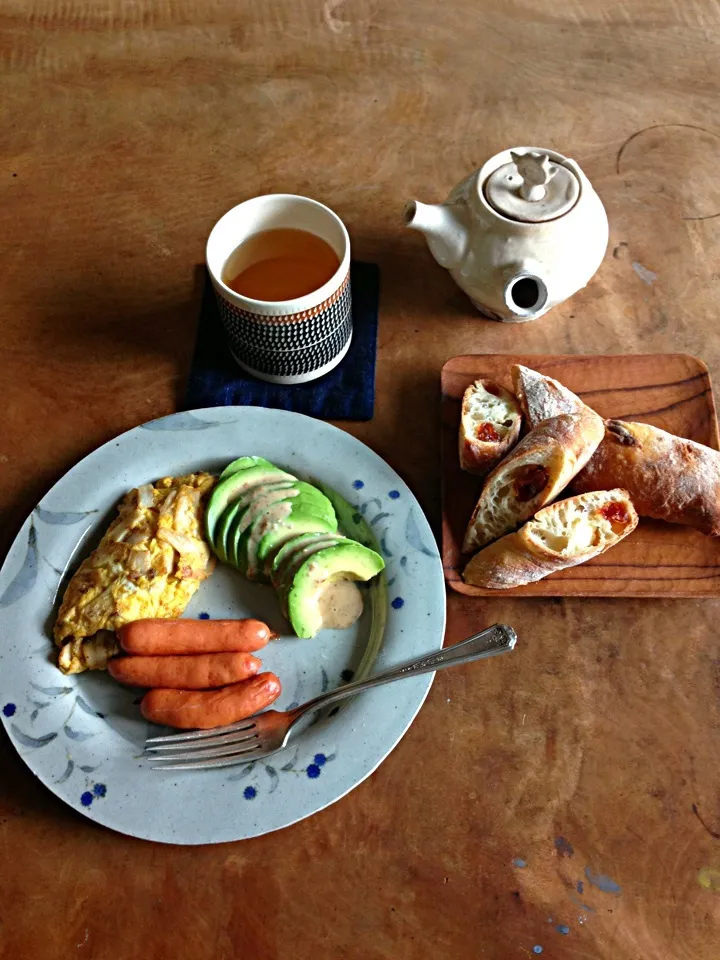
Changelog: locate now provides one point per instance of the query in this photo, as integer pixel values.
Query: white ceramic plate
(82, 735)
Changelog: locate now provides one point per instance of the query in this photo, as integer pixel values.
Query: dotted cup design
(288, 331)
(291, 363)
(291, 344)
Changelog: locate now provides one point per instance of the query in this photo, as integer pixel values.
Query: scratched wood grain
(670, 391)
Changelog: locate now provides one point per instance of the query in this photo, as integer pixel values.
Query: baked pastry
(541, 397)
(489, 426)
(532, 475)
(562, 535)
(667, 477)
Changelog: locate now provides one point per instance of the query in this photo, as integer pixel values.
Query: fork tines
(204, 748)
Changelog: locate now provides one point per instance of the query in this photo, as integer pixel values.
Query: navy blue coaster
(346, 393)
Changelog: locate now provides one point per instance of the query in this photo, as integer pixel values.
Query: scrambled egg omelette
(149, 563)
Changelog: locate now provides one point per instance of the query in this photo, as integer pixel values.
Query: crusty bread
(489, 426)
(534, 474)
(541, 397)
(562, 535)
(667, 477)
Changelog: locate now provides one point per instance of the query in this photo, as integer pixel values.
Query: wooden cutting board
(671, 391)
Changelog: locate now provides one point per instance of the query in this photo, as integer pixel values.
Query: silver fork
(268, 732)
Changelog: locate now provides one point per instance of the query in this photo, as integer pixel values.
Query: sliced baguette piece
(541, 397)
(668, 478)
(562, 535)
(489, 426)
(535, 473)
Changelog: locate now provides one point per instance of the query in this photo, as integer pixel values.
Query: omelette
(149, 563)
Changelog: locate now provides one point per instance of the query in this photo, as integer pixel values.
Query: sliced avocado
(283, 557)
(290, 542)
(243, 463)
(305, 500)
(233, 487)
(237, 507)
(347, 560)
(296, 558)
(288, 517)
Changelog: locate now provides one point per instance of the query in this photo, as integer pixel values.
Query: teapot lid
(532, 188)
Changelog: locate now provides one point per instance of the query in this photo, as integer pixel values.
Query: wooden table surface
(565, 800)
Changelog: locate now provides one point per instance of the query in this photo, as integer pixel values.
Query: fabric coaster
(346, 393)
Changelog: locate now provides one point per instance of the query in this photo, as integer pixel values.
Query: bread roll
(668, 478)
(561, 535)
(534, 474)
(541, 397)
(489, 426)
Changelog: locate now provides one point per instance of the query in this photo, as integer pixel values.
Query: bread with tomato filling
(562, 535)
(489, 426)
(534, 474)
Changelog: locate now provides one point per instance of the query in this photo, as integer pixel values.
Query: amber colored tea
(280, 265)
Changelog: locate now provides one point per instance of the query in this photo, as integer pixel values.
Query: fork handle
(489, 643)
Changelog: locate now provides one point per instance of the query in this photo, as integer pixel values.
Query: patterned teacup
(284, 341)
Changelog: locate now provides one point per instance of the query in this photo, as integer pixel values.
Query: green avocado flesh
(233, 487)
(272, 526)
(242, 463)
(293, 560)
(238, 507)
(270, 519)
(347, 560)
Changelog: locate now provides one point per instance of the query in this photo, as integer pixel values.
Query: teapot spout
(526, 294)
(445, 227)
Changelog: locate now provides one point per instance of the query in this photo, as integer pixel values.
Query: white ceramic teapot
(519, 235)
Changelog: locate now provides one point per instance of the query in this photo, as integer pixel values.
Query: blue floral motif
(312, 771)
(27, 741)
(99, 790)
(394, 494)
(180, 421)
(68, 771)
(274, 778)
(204, 616)
(62, 517)
(26, 576)
(413, 537)
(378, 517)
(397, 603)
(78, 735)
(358, 484)
(53, 694)
(86, 708)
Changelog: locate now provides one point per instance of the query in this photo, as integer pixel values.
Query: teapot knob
(536, 171)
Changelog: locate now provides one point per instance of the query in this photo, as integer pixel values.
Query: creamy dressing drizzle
(340, 604)
(297, 559)
(240, 489)
(263, 501)
(247, 498)
(271, 518)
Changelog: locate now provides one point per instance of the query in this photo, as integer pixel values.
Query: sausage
(161, 637)
(202, 710)
(199, 672)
